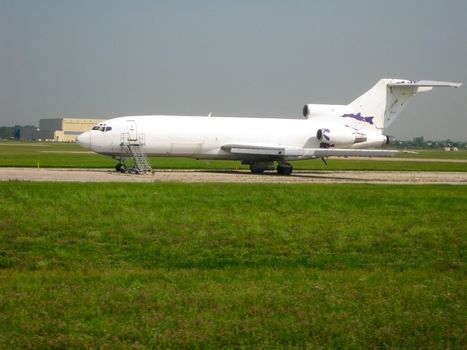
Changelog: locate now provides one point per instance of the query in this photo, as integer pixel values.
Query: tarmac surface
(233, 176)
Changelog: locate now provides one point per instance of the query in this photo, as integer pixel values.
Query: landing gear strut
(284, 168)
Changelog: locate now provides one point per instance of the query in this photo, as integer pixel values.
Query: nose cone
(84, 140)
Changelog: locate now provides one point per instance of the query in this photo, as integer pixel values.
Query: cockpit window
(102, 127)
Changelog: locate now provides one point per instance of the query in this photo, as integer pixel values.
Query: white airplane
(325, 131)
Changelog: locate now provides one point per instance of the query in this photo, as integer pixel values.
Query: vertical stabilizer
(380, 106)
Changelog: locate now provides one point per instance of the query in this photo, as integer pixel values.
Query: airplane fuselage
(204, 137)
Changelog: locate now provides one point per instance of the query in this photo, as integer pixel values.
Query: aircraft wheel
(284, 169)
(122, 168)
(255, 169)
(119, 166)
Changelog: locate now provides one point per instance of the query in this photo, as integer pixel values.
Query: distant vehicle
(325, 131)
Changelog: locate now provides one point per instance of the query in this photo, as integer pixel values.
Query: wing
(280, 151)
(347, 152)
(259, 150)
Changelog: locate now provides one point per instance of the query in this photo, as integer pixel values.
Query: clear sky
(106, 58)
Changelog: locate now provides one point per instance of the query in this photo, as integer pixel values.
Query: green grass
(435, 154)
(378, 165)
(70, 155)
(50, 154)
(232, 265)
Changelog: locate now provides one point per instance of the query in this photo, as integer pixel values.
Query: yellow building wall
(72, 124)
(69, 129)
(59, 135)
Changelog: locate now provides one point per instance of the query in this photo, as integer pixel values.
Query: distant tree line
(7, 132)
(10, 132)
(420, 142)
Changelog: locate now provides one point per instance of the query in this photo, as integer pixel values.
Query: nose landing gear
(120, 167)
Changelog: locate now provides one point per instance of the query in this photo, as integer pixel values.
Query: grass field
(435, 154)
(50, 154)
(232, 265)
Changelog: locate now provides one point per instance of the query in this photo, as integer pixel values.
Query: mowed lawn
(71, 155)
(170, 265)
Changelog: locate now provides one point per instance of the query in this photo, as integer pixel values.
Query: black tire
(119, 166)
(255, 170)
(284, 169)
(123, 169)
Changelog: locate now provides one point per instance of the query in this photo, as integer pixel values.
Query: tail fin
(383, 103)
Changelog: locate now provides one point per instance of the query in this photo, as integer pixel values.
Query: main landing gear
(261, 167)
(283, 168)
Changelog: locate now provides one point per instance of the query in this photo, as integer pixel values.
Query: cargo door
(132, 130)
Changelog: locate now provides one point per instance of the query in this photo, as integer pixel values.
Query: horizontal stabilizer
(425, 83)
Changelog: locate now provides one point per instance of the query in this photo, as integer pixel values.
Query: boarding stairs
(132, 146)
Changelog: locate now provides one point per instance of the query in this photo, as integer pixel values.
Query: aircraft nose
(84, 139)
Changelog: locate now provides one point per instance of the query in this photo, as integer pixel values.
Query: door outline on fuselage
(132, 130)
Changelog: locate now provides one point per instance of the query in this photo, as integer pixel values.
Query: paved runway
(323, 176)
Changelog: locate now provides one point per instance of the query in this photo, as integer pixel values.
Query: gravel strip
(319, 176)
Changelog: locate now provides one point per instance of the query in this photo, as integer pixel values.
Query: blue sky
(104, 58)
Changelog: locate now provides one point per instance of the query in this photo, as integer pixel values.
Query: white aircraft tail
(383, 103)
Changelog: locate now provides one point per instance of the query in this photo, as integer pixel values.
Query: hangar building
(63, 129)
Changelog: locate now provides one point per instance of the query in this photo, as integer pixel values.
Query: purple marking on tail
(359, 117)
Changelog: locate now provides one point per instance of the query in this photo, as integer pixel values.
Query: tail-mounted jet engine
(339, 137)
